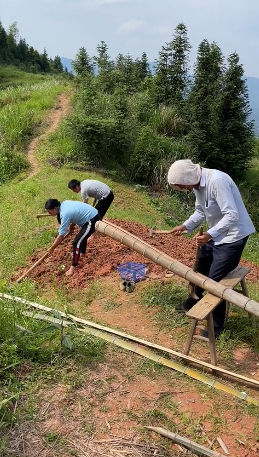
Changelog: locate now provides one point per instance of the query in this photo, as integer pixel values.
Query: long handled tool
(152, 231)
(195, 266)
(42, 215)
(36, 264)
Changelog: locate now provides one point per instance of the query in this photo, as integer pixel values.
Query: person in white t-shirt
(99, 191)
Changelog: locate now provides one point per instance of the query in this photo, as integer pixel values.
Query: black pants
(216, 261)
(104, 204)
(80, 241)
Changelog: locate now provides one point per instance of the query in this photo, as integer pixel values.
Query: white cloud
(130, 26)
(161, 30)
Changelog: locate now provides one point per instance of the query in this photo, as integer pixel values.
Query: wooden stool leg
(227, 310)
(245, 292)
(190, 337)
(210, 324)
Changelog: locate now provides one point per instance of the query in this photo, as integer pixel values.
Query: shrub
(153, 155)
(95, 136)
(167, 121)
(250, 194)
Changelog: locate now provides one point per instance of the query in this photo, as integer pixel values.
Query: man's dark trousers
(216, 261)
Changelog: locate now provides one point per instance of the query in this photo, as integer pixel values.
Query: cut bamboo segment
(191, 445)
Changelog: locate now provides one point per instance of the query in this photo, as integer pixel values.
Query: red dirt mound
(104, 255)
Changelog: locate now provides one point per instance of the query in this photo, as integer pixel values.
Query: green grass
(23, 110)
(164, 297)
(39, 349)
(13, 76)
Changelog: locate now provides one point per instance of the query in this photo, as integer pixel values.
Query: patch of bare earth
(102, 411)
(60, 110)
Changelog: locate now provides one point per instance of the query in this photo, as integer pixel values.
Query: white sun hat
(184, 172)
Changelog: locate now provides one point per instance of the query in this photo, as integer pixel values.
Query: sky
(136, 26)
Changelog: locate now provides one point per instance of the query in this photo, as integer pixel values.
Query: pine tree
(142, 67)
(57, 66)
(203, 103)
(12, 40)
(235, 130)
(171, 79)
(3, 44)
(23, 52)
(82, 64)
(105, 68)
(44, 62)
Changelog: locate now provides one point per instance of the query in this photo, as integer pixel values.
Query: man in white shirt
(220, 205)
(99, 191)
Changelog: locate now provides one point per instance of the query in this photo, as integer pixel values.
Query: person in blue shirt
(220, 205)
(71, 213)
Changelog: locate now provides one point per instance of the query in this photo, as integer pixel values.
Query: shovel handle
(42, 215)
(197, 252)
(38, 262)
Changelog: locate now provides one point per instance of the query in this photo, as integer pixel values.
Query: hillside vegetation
(59, 387)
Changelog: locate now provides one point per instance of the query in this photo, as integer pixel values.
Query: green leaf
(66, 342)
(50, 328)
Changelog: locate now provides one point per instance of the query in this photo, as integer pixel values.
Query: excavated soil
(104, 255)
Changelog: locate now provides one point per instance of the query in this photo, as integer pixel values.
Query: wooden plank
(209, 302)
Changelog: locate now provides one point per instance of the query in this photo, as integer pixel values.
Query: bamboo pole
(36, 264)
(144, 352)
(195, 447)
(178, 268)
(133, 338)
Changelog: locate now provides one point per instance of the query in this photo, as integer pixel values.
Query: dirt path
(56, 114)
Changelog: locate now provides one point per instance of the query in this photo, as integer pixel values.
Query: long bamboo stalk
(143, 248)
(140, 350)
(133, 338)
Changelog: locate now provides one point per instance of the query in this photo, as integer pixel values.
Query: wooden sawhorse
(203, 310)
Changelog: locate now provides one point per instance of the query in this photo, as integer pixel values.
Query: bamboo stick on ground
(133, 338)
(197, 448)
(144, 352)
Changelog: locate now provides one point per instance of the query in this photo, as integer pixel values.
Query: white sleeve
(195, 219)
(223, 195)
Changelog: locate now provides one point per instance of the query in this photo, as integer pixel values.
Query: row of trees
(15, 51)
(170, 112)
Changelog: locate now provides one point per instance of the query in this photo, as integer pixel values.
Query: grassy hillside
(10, 76)
(53, 396)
